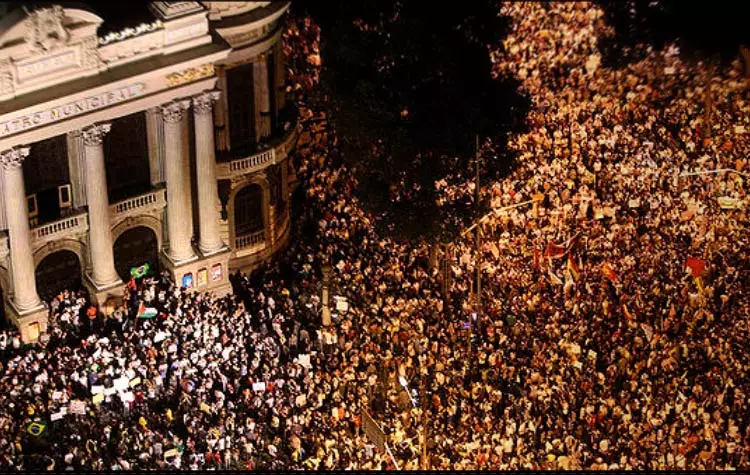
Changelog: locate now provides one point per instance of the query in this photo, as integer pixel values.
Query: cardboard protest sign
(98, 398)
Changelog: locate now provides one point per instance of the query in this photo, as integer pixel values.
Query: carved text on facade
(71, 109)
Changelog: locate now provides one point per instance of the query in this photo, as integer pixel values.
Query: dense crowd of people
(594, 349)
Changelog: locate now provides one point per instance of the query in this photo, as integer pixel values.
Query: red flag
(536, 257)
(609, 272)
(554, 251)
(696, 266)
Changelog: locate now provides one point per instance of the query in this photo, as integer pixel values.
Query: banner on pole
(373, 430)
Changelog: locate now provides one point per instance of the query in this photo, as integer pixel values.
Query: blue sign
(187, 280)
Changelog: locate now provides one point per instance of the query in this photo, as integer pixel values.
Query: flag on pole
(554, 278)
(495, 251)
(554, 251)
(146, 312)
(696, 266)
(573, 267)
(609, 272)
(139, 271)
(558, 250)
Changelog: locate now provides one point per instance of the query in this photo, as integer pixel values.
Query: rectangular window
(47, 165)
(241, 101)
(126, 157)
(64, 196)
(31, 206)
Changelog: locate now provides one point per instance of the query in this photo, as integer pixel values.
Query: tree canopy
(409, 86)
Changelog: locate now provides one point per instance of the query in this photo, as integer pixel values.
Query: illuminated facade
(164, 143)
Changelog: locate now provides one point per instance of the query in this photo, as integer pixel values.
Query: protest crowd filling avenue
(615, 321)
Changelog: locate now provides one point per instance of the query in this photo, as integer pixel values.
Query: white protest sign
(97, 389)
(109, 391)
(127, 397)
(78, 407)
(121, 384)
(304, 360)
(160, 336)
(56, 395)
(56, 417)
(259, 386)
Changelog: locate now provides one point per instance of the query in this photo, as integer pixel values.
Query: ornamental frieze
(191, 74)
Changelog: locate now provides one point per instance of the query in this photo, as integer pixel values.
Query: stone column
(262, 99)
(208, 189)
(103, 272)
(25, 296)
(179, 220)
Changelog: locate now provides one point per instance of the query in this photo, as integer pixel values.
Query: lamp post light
(324, 296)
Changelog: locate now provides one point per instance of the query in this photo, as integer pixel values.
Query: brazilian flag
(36, 428)
(140, 271)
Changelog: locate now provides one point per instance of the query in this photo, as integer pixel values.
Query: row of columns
(179, 219)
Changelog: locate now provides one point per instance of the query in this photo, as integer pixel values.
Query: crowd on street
(596, 346)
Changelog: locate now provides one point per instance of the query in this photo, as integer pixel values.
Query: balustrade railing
(55, 229)
(249, 240)
(152, 199)
(253, 161)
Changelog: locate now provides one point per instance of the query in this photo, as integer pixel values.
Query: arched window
(57, 272)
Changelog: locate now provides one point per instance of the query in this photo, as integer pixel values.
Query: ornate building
(164, 143)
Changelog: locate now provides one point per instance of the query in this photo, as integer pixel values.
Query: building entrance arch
(59, 271)
(135, 247)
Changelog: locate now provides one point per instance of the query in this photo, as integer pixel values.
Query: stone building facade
(165, 143)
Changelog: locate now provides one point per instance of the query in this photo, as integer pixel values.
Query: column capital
(203, 103)
(175, 111)
(93, 136)
(13, 158)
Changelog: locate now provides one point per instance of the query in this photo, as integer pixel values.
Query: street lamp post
(324, 296)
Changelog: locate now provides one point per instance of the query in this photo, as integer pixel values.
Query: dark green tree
(409, 86)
